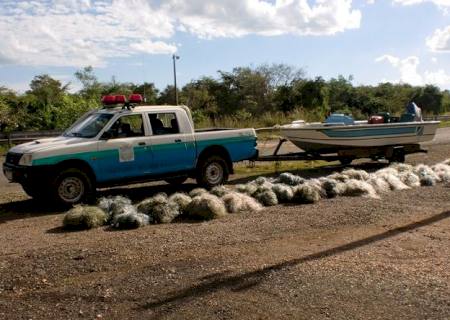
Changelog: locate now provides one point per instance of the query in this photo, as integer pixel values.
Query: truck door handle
(141, 143)
(177, 140)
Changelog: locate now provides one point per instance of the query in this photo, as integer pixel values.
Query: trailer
(393, 153)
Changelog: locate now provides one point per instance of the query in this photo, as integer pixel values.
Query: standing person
(412, 108)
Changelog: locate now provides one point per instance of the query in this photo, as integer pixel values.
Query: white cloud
(82, 32)
(77, 33)
(234, 18)
(152, 47)
(407, 69)
(440, 40)
(440, 3)
(440, 78)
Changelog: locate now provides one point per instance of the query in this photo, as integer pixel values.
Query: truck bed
(240, 143)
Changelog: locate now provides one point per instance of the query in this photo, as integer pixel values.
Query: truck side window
(164, 123)
(127, 126)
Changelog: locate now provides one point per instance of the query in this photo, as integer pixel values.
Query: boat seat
(407, 117)
(339, 119)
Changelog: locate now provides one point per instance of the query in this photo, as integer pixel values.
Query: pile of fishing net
(120, 213)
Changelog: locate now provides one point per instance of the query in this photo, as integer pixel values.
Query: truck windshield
(90, 126)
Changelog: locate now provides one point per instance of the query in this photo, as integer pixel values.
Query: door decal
(126, 153)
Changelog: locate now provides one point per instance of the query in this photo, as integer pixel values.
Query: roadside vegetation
(444, 124)
(259, 96)
(262, 168)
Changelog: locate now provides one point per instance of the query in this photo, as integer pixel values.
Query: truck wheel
(176, 181)
(72, 186)
(35, 191)
(212, 171)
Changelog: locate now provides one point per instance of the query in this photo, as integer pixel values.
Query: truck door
(172, 142)
(124, 150)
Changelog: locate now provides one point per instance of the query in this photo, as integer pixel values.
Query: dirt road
(343, 258)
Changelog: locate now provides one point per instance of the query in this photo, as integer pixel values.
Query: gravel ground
(343, 258)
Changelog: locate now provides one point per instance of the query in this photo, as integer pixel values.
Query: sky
(406, 41)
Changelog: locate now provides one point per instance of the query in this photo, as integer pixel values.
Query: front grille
(13, 158)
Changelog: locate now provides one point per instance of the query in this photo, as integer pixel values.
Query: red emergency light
(107, 100)
(113, 100)
(135, 98)
(120, 99)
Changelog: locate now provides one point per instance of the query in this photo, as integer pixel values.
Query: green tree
(92, 88)
(200, 96)
(167, 96)
(429, 99)
(148, 91)
(9, 112)
(42, 101)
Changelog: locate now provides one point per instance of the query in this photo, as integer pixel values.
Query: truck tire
(212, 171)
(72, 186)
(37, 192)
(176, 181)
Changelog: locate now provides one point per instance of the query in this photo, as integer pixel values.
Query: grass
(444, 124)
(3, 149)
(260, 168)
(266, 136)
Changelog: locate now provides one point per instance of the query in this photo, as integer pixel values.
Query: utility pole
(174, 58)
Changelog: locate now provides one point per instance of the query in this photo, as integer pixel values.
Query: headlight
(26, 160)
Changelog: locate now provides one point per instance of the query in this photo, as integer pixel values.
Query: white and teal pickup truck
(126, 145)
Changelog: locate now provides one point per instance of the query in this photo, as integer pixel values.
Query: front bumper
(22, 174)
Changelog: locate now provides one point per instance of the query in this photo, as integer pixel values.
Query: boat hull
(321, 138)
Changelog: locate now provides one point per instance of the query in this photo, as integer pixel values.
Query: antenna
(143, 77)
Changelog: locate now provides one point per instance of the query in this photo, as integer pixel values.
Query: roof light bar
(117, 100)
(120, 99)
(135, 98)
(108, 100)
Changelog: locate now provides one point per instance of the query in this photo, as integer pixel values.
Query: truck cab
(121, 145)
